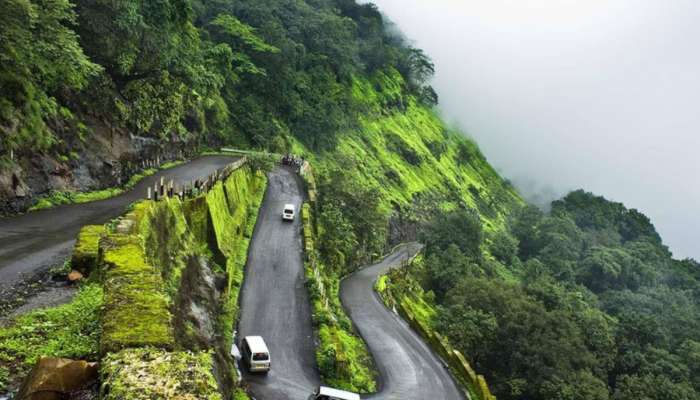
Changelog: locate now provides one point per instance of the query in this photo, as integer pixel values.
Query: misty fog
(560, 94)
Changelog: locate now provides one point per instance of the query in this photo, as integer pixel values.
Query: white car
(288, 212)
(255, 354)
(326, 393)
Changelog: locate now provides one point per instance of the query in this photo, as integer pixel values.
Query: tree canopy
(215, 72)
(583, 302)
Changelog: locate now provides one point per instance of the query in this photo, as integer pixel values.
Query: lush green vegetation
(582, 303)
(153, 268)
(394, 169)
(244, 72)
(71, 330)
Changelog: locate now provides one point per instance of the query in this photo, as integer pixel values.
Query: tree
(525, 228)
(446, 267)
(345, 202)
(39, 58)
(504, 247)
(459, 227)
(652, 387)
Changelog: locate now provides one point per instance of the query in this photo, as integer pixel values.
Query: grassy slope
(71, 330)
(401, 153)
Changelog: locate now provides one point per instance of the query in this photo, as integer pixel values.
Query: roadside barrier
(162, 189)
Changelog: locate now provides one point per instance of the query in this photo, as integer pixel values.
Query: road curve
(37, 240)
(408, 368)
(274, 299)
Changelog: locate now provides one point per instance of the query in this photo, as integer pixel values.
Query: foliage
(340, 360)
(39, 58)
(71, 330)
(582, 303)
(56, 198)
(456, 228)
(200, 72)
(350, 217)
(262, 162)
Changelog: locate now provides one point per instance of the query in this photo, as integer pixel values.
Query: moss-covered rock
(136, 310)
(166, 240)
(86, 248)
(145, 374)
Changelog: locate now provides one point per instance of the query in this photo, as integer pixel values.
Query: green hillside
(580, 303)
(594, 306)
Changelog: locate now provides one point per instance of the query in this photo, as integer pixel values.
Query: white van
(288, 212)
(255, 354)
(326, 393)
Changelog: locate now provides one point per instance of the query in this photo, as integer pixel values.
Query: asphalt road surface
(408, 368)
(37, 240)
(274, 299)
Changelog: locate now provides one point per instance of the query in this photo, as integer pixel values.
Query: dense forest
(591, 305)
(235, 72)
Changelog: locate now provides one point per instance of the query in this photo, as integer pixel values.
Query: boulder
(75, 276)
(56, 378)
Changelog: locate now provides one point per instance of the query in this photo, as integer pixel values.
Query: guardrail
(162, 189)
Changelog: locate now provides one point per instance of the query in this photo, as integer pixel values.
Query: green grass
(404, 153)
(71, 330)
(240, 394)
(57, 198)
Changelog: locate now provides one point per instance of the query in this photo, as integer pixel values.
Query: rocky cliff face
(108, 158)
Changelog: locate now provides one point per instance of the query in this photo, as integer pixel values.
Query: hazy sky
(561, 94)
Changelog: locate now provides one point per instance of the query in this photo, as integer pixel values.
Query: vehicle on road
(326, 393)
(255, 354)
(288, 212)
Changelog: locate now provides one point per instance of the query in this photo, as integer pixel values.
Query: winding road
(35, 241)
(275, 305)
(274, 299)
(408, 368)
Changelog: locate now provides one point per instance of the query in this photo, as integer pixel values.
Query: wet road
(274, 299)
(38, 240)
(408, 368)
